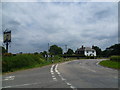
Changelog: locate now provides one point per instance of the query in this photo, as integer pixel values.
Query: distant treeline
(55, 50)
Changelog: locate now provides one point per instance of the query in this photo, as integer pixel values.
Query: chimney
(92, 46)
(82, 46)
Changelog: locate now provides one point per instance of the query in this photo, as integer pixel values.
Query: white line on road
(63, 79)
(57, 70)
(9, 78)
(21, 85)
(52, 73)
(51, 70)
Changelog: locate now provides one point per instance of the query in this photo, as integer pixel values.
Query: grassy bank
(114, 62)
(25, 61)
(115, 58)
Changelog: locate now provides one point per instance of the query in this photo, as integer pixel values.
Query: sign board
(7, 36)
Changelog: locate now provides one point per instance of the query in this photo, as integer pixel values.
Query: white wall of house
(90, 53)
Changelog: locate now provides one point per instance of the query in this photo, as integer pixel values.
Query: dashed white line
(51, 70)
(68, 84)
(52, 73)
(53, 76)
(57, 70)
(63, 79)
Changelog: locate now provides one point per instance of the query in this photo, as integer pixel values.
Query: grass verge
(110, 64)
(28, 61)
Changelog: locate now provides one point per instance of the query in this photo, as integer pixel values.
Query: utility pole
(66, 50)
(48, 47)
(48, 52)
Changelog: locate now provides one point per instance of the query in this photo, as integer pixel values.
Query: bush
(115, 58)
(20, 61)
(7, 54)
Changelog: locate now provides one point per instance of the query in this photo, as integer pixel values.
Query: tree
(43, 53)
(70, 51)
(35, 53)
(112, 50)
(55, 50)
(97, 49)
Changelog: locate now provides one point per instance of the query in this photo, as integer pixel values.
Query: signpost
(7, 38)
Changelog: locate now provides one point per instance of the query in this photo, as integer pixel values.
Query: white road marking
(9, 78)
(57, 70)
(52, 73)
(53, 76)
(68, 84)
(51, 70)
(21, 85)
(63, 79)
(73, 87)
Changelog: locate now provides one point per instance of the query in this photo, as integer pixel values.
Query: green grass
(12, 63)
(27, 61)
(110, 64)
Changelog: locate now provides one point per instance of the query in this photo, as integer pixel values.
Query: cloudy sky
(35, 24)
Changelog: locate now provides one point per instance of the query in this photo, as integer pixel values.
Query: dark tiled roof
(85, 48)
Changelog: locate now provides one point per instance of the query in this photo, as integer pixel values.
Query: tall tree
(55, 50)
(70, 51)
(98, 50)
(112, 50)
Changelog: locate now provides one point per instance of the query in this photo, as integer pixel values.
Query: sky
(35, 24)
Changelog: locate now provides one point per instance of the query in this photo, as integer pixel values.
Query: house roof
(85, 49)
(89, 49)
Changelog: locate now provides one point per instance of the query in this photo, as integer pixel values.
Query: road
(72, 74)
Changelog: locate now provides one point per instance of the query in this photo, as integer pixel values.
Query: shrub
(115, 58)
(20, 61)
(7, 54)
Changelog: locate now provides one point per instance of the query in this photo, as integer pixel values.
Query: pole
(66, 50)
(48, 53)
(6, 47)
(48, 47)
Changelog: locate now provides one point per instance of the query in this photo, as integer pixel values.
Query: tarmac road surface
(72, 74)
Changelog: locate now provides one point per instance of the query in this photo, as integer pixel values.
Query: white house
(87, 51)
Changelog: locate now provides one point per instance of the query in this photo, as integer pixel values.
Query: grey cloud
(34, 25)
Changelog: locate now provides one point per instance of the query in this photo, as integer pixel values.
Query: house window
(92, 51)
(87, 51)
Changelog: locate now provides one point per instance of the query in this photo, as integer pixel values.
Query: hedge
(10, 63)
(115, 58)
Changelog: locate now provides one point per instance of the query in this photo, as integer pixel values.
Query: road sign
(7, 36)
